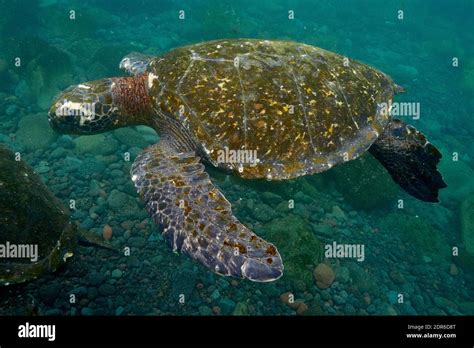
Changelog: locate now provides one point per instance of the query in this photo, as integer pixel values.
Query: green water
(418, 257)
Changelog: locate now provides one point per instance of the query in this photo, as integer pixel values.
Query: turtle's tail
(410, 159)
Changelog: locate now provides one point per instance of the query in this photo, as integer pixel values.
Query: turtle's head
(101, 105)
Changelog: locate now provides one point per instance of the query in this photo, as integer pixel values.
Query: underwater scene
(217, 157)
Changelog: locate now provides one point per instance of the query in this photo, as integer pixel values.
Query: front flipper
(410, 159)
(135, 63)
(196, 217)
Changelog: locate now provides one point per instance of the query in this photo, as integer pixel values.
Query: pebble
(418, 302)
(204, 310)
(392, 297)
(215, 295)
(88, 223)
(42, 168)
(325, 295)
(119, 310)
(407, 309)
(92, 293)
(444, 303)
(87, 311)
(349, 309)
(339, 300)
(224, 283)
(116, 273)
(94, 188)
(65, 141)
(137, 242)
(397, 277)
(122, 203)
(71, 164)
(54, 312)
(388, 310)
(262, 212)
(11, 109)
(134, 262)
(241, 308)
(323, 275)
(80, 291)
(302, 308)
(338, 213)
(322, 229)
(343, 274)
(116, 173)
(96, 278)
(183, 282)
(227, 306)
(427, 259)
(156, 260)
(106, 289)
(271, 198)
(371, 309)
(49, 293)
(107, 232)
(57, 153)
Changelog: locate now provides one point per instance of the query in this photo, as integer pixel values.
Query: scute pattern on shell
(299, 107)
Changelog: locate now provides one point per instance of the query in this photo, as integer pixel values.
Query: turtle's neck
(131, 97)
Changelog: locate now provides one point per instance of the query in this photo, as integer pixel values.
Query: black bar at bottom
(258, 330)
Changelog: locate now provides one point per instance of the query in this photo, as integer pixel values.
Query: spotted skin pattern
(300, 107)
(197, 219)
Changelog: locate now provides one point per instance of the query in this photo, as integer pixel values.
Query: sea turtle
(36, 234)
(261, 109)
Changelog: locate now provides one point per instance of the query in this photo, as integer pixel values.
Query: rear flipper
(410, 159)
